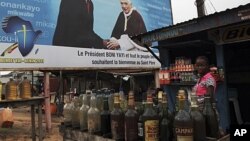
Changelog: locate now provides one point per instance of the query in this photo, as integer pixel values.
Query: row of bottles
(15, 90)
(145, 123)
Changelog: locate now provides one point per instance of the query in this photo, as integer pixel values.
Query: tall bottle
(25, 89)
(11, 90)
(117, 120)
(84, 113)
(123, 101)
(183, 123)
(199, 131)
(140, 122)
(94, 118)
(212, 128)
(75, 112)
(131, 119)
(99, 100)
(67, 113)
(165, 121)
(150, 121)
(105, 118)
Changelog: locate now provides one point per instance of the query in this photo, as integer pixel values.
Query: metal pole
(200, 7)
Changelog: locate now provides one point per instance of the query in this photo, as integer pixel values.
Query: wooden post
(157, 81)
(47, 102)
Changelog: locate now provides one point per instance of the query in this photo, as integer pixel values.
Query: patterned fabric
(203, 83)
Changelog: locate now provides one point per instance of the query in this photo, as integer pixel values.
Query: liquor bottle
(159, 106)
(99, 100)
(105, 118)
(212, 128)
(199, 131)
(67, 113)
(11, 90)
(166, 126)
(75, 112)
(117, 120)
(25, 89)
(123, 101)
(150, 121)
(94, 118)
(84, 113)
(131, 119)
(111, 99)
(140, 122)
(183, 124)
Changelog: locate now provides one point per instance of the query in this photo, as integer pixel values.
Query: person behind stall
(206, 83)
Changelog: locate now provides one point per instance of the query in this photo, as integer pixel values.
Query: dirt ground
(21, 130)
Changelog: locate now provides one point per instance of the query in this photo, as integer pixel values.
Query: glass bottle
(150, 121)
(131, 119)
(99, 100)
(183, 124)
(11, 90)
(111, 99)
(212, 128)
(67, 113)
(75, 112)
(94, 117)
(105, 118)
(25, 89)
(165, 121)
(159, 106)
(198, 120)
(117, 120)
(140, 122)
(123, 101)
(84, 113)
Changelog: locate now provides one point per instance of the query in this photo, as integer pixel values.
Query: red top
(203, 83)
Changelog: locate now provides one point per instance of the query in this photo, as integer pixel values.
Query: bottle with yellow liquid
(25, 89)
(11, 90)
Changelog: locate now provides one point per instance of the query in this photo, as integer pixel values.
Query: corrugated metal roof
(228, 16)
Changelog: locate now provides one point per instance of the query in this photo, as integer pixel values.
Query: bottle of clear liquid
(84, 113)
(25, 89)
(67, 113)
(75, 113)
(94, 118)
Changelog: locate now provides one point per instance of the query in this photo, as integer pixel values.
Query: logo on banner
(24, 32)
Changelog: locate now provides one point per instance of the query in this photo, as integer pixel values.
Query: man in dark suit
(75, 25)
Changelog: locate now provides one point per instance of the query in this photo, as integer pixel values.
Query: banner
(98, 25)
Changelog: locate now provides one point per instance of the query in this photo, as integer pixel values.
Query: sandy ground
(21, 130)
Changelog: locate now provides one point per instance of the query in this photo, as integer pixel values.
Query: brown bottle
(183, 123)
(212, 128)
(198, 120)
(11, 90)
(131, 119)
(165, 121)
(150, 121)
(25, 89)
(117, 120)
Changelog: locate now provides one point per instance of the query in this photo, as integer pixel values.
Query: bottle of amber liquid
(131, 119)
(150, 121)
(166, 127)
(183, 124)
(117, 120)
(11, 90)
(105, 118)
(212, 127)
(198, 120)
(25, 89)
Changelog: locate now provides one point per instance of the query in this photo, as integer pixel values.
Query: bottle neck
(181, 104)
(207, 102)
(106, 105)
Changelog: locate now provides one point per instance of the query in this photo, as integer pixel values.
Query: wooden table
(32, 102)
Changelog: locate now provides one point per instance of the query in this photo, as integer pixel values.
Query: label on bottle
(140, 129)
(184, 134)
(151, 130)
